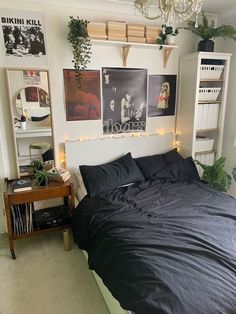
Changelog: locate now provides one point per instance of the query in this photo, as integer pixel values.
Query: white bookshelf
(203, 83)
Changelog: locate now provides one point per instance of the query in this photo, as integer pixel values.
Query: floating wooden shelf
(209, 102)
(127, 45)
(205, 152)
(207, 130)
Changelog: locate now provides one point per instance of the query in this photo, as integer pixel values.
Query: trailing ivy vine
(81, 44)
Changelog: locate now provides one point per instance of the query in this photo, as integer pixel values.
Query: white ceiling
(211, 6)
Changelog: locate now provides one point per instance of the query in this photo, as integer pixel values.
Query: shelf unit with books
(125, 46)
(19, 207)
(203, 78)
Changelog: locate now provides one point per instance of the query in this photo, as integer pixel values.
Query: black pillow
(189, 171)
(108, 176)
(159, 166)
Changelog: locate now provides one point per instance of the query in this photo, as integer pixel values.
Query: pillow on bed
(156, 166)
(80, 191)
(189, 171)
(108, 176)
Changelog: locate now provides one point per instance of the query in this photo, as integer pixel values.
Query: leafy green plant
(216, 176)
(208, 32)
(36, 165)
(41, 177)
(166, 30)
(81, 44)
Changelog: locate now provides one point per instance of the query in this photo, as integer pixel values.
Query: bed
(165, 243)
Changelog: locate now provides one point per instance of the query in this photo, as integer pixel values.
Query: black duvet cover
(163, 247)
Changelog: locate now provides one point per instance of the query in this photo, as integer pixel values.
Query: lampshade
(171, 11)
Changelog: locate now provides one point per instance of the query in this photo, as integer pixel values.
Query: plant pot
(206, 45)
(170, 39)
(23, 125)
(42, 181)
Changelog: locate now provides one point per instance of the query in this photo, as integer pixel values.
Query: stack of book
(152, 33)
(116, 30)
(21, 216)
(97, 30)
(136, 33)
(60, 175)
(22, 185)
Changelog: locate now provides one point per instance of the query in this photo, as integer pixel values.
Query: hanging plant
(81, 44)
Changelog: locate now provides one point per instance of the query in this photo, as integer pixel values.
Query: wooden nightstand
(52, 190)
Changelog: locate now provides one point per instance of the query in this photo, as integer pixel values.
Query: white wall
(59, 56)
(229, 151)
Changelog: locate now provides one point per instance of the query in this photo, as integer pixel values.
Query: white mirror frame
(35, 131)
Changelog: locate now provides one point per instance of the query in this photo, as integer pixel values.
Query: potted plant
(23, 122)
(41, 177)
(216, 176)
(80, 42)
(36, 165)
(208, 33)
(167, 35)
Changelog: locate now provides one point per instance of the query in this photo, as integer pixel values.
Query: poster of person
(82, 98)
(31, 77)
(124, 100)
(23, 37)
(161, 95)
(44, 101)
(31, 94)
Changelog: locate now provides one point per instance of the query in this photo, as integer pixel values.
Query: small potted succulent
(208, 33)
(41, 177)
(167, 35)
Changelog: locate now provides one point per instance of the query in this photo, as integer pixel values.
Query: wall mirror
(29, 95)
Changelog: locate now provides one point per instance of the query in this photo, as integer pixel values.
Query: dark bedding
(163, 247)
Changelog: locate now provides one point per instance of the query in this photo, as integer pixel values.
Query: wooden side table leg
(9, 226)
(67, 240)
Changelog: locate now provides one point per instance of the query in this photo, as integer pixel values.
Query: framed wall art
(82, 97)
(23, 37)
(161, 95)
(124, 100)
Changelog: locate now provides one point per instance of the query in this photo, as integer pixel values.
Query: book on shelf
(22, 185)
(21, 216)
(58, 174)
(135, 39)
(117, 38)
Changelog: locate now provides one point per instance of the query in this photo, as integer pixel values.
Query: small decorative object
(208, 33)
(41, 177)
(167, 36)
(216, 176)
(80, 42)
(23, 122)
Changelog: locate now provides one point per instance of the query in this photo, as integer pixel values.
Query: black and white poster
(161, 95)
(23, 37)
(124, 100)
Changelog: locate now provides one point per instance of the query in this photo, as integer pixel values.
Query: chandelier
(170, 10)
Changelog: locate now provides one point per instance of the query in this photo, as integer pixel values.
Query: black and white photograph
(161, 95)
(23, 35)
(124, 100)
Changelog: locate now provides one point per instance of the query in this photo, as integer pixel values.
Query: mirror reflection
(31, 117)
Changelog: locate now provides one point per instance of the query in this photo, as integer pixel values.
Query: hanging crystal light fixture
(170, 10)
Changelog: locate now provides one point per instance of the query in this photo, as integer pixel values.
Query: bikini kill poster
(23, 37)
(124, 100)
(161, 95)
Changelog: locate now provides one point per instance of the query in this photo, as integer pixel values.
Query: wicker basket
(208, 93)
(211, 72)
